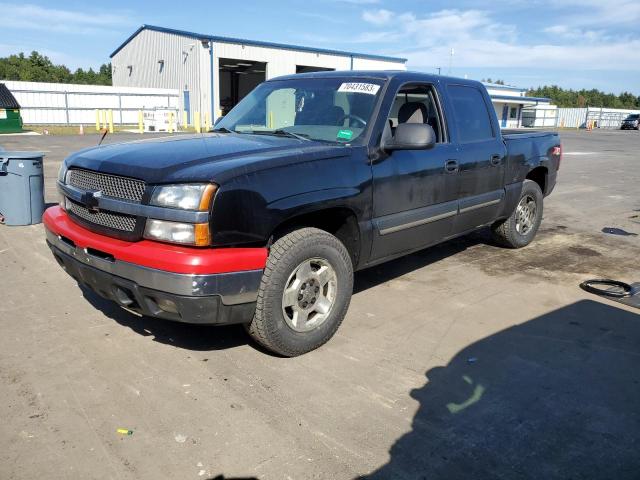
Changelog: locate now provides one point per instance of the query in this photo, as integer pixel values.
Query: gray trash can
(21, 187)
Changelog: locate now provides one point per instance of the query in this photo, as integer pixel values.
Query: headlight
(195, 196)
(174, 232)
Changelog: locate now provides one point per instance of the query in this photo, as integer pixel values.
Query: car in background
(631, 122)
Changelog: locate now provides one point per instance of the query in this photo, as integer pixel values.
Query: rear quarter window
(470, 114)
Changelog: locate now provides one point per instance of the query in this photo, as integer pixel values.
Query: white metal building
(213, 73)
(73, 104)
(514, 109)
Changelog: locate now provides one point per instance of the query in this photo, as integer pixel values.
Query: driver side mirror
(411, 136)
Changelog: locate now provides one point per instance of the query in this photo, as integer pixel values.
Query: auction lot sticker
(353, 87)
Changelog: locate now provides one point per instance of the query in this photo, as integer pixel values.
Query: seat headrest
(412, 112)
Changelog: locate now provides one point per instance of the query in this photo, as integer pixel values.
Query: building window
(514, 113)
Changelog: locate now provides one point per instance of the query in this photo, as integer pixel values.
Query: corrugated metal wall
(62, 103)
(604, 117)
(187, 64)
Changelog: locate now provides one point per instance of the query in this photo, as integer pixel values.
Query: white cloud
(610, 13)
(482, 42)
(34, 17)
(377, 17)
(577, 34)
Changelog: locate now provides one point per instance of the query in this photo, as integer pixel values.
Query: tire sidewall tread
(505, 233)
(268, 326)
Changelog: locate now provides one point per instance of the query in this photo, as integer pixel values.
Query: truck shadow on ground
(211, 337)
(554, 397)
(379, 274)
(181, 335)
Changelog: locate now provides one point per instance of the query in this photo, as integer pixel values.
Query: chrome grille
(116, 221)
(110, 185)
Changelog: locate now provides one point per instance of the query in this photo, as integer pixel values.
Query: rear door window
(470, 113)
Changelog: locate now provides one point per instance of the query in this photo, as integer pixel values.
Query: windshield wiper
(281, 133)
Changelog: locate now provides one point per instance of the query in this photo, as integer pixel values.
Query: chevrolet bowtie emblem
(90, 201)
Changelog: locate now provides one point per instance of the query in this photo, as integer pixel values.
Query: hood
(199, 158)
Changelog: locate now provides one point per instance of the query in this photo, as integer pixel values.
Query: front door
(414, 191)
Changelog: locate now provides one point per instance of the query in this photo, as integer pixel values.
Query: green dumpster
(10, 119)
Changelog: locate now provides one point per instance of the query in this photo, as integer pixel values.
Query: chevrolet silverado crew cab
(309, 178)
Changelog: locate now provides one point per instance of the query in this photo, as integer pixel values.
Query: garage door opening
(308, 69)
(237, 79)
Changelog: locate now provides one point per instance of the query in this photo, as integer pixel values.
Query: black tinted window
(470, 114)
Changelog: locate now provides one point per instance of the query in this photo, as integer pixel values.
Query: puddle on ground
(555, 253)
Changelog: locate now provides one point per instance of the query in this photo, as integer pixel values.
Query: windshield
(325, 109)
(634, 116)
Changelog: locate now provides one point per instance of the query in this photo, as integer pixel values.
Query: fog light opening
(167, 305)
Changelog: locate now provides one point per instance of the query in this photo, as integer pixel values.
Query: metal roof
(498, 86)
(520, 99)
(257, 43)
(404, 75)
(7, 100)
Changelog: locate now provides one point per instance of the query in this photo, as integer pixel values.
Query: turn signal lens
(207, 197)
(202, 235)
(175, 232)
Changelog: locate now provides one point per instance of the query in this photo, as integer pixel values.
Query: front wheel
(519, 229)
(304, 294)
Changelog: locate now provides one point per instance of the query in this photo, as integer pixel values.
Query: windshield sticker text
(352, 87)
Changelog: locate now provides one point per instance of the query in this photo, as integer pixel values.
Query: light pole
(451, 60)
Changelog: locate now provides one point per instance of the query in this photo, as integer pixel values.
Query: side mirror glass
(412, 136)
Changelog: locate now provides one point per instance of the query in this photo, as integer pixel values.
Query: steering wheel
(355, 117)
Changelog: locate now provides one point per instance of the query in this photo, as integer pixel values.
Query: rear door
(481, 157)
(414, 195)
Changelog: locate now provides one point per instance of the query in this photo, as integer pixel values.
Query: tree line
(39, 68)
(568, 98)
(586, 98)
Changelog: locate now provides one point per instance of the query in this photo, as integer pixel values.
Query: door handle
(451, 166)
(496, 159)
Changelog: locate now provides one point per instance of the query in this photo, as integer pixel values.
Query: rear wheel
(521, 227)
(304, 294)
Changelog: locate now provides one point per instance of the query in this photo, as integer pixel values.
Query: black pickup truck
(309, 178)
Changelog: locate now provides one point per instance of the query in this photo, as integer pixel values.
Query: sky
(527, 43)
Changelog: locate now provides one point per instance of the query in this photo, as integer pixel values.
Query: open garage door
(308, 69)
(237, 79)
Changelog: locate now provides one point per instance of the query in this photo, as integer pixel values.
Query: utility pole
(438, 70)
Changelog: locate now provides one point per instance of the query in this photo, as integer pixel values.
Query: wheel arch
(340, 221)
(539, 175)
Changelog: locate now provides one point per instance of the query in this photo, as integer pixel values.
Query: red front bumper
(156, 255)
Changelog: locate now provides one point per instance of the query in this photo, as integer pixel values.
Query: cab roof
(402, 75)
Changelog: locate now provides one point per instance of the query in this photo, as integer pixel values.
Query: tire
(521, 227)
(299, 263)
